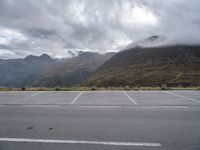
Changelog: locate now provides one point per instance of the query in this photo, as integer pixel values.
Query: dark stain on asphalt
(30, 128)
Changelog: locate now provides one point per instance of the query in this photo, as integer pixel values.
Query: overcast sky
(56, 26)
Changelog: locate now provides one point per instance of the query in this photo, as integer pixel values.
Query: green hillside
(141, 67)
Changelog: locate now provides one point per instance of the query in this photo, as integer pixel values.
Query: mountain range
(44, 71)
(14, 71)
(145, 63)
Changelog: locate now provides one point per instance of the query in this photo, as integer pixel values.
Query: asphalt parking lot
(166, 120)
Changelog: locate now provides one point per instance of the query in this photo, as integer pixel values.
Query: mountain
(43, 71)
(154, 66)
(43, 58)
(14, 71)
(152, 41)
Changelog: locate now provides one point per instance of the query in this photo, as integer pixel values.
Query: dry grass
(99, 89)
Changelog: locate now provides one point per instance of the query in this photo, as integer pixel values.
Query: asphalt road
(130, 120)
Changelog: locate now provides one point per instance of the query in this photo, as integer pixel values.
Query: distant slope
(69, 72)
(43, 71)
(172, 65)
(14, 71)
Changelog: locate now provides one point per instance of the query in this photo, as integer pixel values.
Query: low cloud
(55, 27)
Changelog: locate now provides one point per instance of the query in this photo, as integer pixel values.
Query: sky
(57, 26)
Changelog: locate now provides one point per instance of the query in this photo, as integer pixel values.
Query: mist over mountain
(54, 27)
(68, 73)
(14, 71)
(151, 41)
(44, 71)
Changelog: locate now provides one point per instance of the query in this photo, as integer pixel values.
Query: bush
(57, 89)
(23, 89)
(93, 88)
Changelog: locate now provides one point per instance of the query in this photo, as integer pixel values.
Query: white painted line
(130, 98)
(77, 97)
(166, 107)
(188, 98)
(100, 106)
(22, 99)
(107, 91)
(44, 106)
(37, 93)
(79, 142)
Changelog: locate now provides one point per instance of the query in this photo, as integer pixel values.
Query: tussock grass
(98, 88)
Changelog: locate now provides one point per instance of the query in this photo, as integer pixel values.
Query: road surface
(100, 120)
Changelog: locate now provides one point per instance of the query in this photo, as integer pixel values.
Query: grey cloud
(5, 46)
(55, 26)
(41, 33)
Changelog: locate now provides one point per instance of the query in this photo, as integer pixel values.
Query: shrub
(93, 88)
(57, 89)
(23, 88)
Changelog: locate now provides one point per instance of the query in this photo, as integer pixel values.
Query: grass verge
(97, 88)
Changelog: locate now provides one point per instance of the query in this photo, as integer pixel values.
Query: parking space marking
(188, 98)
(44, 106)
(35, 94)
(77, 97)
(22, 140)
(130, 98)
(165, 107)
(100, 106)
